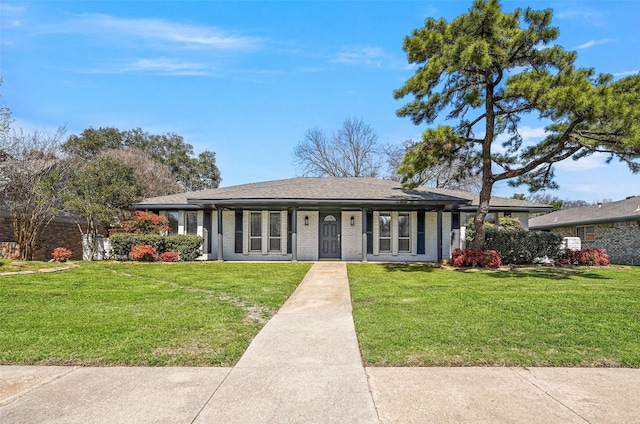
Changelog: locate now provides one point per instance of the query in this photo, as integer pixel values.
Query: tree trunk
(487, 172)
(481, 214)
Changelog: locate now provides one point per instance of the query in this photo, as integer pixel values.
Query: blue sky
(246, 79)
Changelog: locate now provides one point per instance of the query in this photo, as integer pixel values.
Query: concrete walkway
(305, 367)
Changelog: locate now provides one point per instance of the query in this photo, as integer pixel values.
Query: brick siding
(621, 240)
(57, 234)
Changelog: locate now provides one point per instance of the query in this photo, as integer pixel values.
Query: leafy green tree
(191, 172)
(98, 191)
(485, 70)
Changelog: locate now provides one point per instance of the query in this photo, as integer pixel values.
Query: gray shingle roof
(496, 202)
(622, 210)
(329, 190)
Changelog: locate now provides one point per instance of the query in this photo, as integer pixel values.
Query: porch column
(364, 235)
(439, 235)
(294, 235)
(220, 254)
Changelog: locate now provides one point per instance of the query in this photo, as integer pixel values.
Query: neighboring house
(61, 232)
(613, 226)
(350, 219)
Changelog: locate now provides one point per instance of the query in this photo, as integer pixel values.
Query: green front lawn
(109, 313)
(418, 315)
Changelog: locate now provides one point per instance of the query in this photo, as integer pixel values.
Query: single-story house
(349, 219)
(613, 226)
(61, 232)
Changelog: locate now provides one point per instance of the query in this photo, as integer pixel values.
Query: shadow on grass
(549, 273)
(407, 267)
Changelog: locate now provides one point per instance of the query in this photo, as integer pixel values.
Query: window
(255, 234)
(369, 232)
(586, 233)
(274, 231)
(385, 232)
(490, 218)
(404, 233)
(238, 240)
(172, 217)
(192, 222)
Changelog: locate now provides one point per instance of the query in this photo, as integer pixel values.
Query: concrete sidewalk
(305, 367)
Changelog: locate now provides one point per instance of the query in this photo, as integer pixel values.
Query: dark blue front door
(330, 236)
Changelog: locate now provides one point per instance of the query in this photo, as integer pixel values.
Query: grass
(418, 315)
(109, 313)
(22, 266)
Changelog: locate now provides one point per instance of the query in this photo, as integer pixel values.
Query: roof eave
(585, 222)
(165, 206)
(326, 202)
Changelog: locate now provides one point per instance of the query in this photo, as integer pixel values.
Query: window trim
(587, 236)
(187, 221)
(253, 236)
(271, 237)
(177, 221)
(381, 237)
(407, 237)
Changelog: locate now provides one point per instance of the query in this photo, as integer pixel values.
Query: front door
(330, 236)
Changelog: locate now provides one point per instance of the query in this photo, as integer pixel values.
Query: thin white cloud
(592, 43)
(159, 66)
(361, 55)
(592, 16)
(189, 36)
(530, 135)
(626, 73)
(165, 66)
(595, 161)
(11, 16)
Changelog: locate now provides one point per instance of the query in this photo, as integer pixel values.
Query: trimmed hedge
(521, 247)
(187, 246)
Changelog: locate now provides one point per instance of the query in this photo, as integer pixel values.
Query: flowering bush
(61, 254)
(585, 257)
(146, 223)
(169, 257)
(476, 258)
(143, 253)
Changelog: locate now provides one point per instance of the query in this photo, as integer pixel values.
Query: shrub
(146, 223)
(169, 257)
(519, 246)
(188, 246)
(122, 243)
(144, 253)
(61, 254)
(475, 258)
(585, 257)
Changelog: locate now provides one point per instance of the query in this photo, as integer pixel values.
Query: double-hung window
(404, 233)
(191, 218)
(587, 233)
(172, 217)
(385, 232)
(275, 231)
(255, 233)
